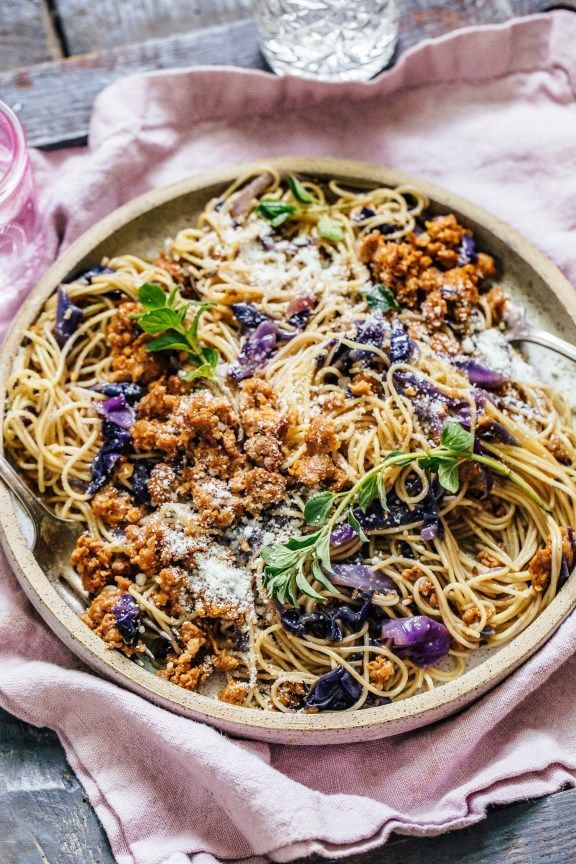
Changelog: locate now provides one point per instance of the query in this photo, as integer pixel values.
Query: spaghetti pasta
(339, 360)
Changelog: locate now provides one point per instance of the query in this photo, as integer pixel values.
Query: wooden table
(55, 56)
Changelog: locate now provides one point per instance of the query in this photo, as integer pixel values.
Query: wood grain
(91, 26)
(55, 99)
(45, 818)
(26, 34)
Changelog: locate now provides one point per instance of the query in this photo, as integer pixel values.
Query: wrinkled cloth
(491, 114)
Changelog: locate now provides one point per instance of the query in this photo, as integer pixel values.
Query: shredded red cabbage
(334, 691)
(325, 623)
(494, 432)
(467, 253)
(362, 577)
(420, 639)
(256, 350)
(343, 533)
(400, 343)
(430, 403)
(399, 513)
(117, 441)
(96, 271)
(481, 375)
(248, 314)
(131, 392)
(118, 411)
(68, 317)
(126, 612)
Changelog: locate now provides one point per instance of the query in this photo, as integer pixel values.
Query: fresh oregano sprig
(166, 316)
(277, 211)
(286, 563)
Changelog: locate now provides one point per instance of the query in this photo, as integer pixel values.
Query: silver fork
(519, 329)
(54, 538)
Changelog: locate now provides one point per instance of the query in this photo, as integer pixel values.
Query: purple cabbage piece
(300, 319)
(481, 375)
(430, 404)
(400, 343)
(248, 314)
(368, 332)
(126, 612)
(141, 470)
(467, 253)
(131, 392)
(116, 442)
(419, 639)
(399, 514)
(486, 473)
(343, 533)
(118, 411)
(362, 577)
(334, 691)
(96, 271)
(495, 433)
(256, 350)
(325, 623)
(68, 317)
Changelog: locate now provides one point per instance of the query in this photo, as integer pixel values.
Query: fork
(519, 329)
(54, 538)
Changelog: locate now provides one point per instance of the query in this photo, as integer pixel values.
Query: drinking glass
(332, 40)
(21, 235)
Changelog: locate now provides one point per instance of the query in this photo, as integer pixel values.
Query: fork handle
(547, 340)
(15, 484)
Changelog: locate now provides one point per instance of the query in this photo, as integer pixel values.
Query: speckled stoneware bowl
(140, 227)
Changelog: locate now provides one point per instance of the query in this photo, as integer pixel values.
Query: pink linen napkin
(488, 112)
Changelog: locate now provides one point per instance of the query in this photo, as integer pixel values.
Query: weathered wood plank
(54, 100)
(26, 33)
(90, 26)
(45, 817)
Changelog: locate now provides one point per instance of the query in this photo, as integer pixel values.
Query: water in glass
(333, 40)
(21, 235)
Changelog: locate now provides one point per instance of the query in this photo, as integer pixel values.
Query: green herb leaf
(152, 296)
(380, 297)
(279, 556)
(159, 319)
(318, 507)
(206, 370)
(355, 524)
(302, 542)
(275, 211)
(319, 574)
(323, 551)
(382, 491)
(448, 476)
(299, 191)
(331, 229)
(455, 437)
(211, 356)
(169, 341)
(368, 492)
(305, 586)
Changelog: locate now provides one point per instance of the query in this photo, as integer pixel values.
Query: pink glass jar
(21, 234)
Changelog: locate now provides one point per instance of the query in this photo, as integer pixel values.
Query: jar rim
(16, 168)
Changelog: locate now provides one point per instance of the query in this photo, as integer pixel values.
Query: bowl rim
(113, 665)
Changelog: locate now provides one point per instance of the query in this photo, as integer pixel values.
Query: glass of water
(332, 40)
(21, 234)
